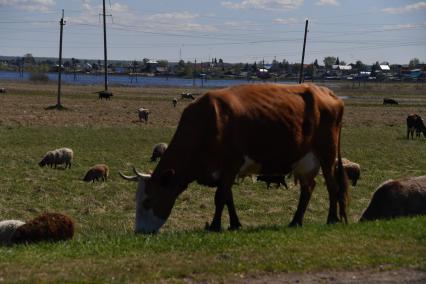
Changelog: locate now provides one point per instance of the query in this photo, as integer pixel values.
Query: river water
(124, 80)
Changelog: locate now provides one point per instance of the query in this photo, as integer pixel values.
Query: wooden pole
(303, 53)
(105, 49)
(61, 23)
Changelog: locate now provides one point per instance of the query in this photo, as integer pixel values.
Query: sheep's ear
(167, 177)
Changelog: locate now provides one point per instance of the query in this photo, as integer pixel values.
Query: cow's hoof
(211, 227)
(294, 224)
(234, 228)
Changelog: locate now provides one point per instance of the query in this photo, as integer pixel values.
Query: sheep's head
(47, 159)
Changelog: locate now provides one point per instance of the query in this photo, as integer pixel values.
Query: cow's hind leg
(332, 188)
(306, 189)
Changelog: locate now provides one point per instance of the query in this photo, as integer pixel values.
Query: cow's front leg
(219, 202)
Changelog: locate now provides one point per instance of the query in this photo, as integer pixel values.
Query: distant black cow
(277, 179)
(415, 122)
(389, 102)
(105, 95)
(3, 90)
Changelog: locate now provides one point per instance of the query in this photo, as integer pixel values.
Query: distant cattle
(143, 114)
(274, 128)
(187, 96)
(397, 198)
(3, 90)
(105, 95)
(389, 102)
(276, 179)
(415, 123)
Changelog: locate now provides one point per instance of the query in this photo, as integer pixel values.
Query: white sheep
(353, 170)
(58, 157)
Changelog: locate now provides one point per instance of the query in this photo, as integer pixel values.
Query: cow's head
(154, 200)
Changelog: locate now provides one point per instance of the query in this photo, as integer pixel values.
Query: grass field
(105, 248)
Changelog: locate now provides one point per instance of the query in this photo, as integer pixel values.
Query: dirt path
(362, 276)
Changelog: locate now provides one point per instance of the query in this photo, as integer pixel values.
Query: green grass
(105, 249)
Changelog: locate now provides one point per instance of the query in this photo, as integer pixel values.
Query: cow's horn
(132, 178)
(141, 175)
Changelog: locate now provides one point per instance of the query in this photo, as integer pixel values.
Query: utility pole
(194, 72)
(61, 23)
(105, 49)
(303, 53)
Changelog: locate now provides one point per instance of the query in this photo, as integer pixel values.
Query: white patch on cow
(306, 168)
(146, 221)
(250, 167)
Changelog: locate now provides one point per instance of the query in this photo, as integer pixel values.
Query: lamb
(58, 157)
(158, 151)
(143, 114)
(46, 227)
(99, 171)
(277, 179)
(7, 229)
(353, 170)
(397, 198)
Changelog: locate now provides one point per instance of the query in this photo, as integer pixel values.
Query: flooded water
(125, 80)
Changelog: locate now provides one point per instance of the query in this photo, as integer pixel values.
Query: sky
(244, 31)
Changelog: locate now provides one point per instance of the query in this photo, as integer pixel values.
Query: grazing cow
(158, 151)
(274, 128)
(143, 114)
(105, 95)
(174, 102)
(187, 96)
(389, 102)
(277, 179)
(99, 171)
(3, 90)
(397, 198)
(415, 123)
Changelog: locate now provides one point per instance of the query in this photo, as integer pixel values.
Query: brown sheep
(99, 171)
(397, 198)
(46, 227)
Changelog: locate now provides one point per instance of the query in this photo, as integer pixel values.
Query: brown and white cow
(397, 198)
(273, 128)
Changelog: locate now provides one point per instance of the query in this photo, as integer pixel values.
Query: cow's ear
(167, 177)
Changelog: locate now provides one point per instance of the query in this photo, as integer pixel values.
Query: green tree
(414, 62)
(329, 61)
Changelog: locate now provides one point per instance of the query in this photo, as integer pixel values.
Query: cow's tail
(342, 181)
